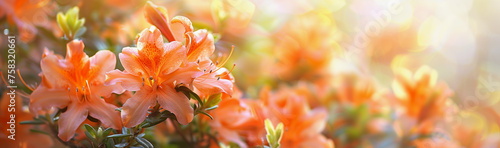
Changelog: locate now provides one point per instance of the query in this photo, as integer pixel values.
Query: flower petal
(150, 36)
(70, 120)
(126, 80)
(75, 54)
(102, 62)
(210, 86)
(130, 61)
(134, 111)
(105, 112)
(228, 135)
(106, 90)
(184, 75)
(177, 103)
(43, 99)
(318, 141)
(158, 16)
(174, 55)
(311, 124)
(204, 46)
(54, 70)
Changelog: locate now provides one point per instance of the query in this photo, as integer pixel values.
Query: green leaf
(119, 135)
(99, 131)
(214, 100)
(145, 143)
(189, 93)
(39, 131)
(141, 135)
(71, 17)
(125, 130)
(124, 144)
(32, 122)
(90, 137)
(107, 131)
(156, 118)
(61, 21)
(110, 143)
(91, 130)
(269, 127)
(273, 134)
(81, 22)
(279, 132)
(205, 113)
(77, 25)
(80, 32)
(212, 108)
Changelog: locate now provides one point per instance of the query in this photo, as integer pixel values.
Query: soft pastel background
(314, 44)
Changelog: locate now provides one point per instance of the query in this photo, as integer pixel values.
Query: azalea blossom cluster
(78, 83)
(245, 74)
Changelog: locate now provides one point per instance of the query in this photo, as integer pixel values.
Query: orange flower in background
(76, 83)
(23, 135)
(354, 89)
(305, 46)
(436, 142)
(27, 15)
(237, 120)
(421, 96)
(391, 43)
(153, 69)
(303, 125)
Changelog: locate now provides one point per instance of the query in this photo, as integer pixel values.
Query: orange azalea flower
(435, 142)
(27, 15)
(213, 81)
(200, 46)
(305, 46)
(422, 98)
(237, 121)
(153, 69)
(76, 83)
(468, 136)
(158, 16)
(178, 29)
(303, 126)
(215, 78)
(383, 48)
(24, 138)
(354, 89)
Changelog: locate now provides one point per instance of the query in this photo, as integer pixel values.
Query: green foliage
(98, 138)
(129, 137)
(273, 134)
(203, 105)
(70, 24)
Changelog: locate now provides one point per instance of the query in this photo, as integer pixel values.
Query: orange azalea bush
(248, 74)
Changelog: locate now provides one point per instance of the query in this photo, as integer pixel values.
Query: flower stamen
(22, 80)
